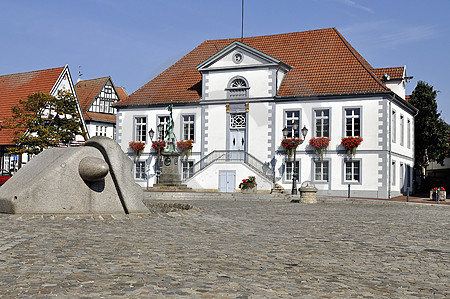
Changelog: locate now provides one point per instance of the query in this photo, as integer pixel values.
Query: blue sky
(132, 41)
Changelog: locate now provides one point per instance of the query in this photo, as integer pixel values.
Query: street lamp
(151, 133)
(294, 168)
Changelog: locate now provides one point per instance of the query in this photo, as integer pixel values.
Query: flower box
(442, 193)
(351, 143)
(290, 144)
(320, 145)
(137, 147)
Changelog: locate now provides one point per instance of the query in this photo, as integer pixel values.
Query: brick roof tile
(14, 87)
(322, 61)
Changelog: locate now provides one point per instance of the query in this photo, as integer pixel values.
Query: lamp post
(160, 129)
(151, 133)
(294, 168)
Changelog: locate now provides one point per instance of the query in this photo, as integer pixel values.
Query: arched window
(237, 88)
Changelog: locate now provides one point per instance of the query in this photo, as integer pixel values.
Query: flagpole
(242, 23)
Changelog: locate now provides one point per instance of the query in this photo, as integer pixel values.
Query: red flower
(351, 142)
(185, 145)
(290, 143)
(158, 144)
(319, 142)
(137, 146)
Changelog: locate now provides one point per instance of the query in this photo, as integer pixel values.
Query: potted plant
(320, 145)
(185, 146)
(248, 185)
(137, 147)
(434, 193)
(351, 143)
(290, 144)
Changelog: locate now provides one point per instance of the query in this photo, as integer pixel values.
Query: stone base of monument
(170, 178)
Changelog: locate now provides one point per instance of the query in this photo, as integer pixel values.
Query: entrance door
(237, 143)
(227, 181)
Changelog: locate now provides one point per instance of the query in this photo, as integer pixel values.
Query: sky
(133, 41)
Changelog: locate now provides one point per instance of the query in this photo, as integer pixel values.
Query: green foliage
(44, 121)
(430, 131)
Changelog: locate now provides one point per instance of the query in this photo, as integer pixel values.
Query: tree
(43, 121)
(430, 131)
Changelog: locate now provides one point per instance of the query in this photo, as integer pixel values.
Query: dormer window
(237, 88)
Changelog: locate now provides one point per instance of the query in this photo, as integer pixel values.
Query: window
(393, 172)
(188, 127)
(408, 133)
(100, 131)
(103, 102)
(289, 170)
(237, 120)
(187, 171)
(352, 122)
(140, 129)
(321, 171)
(402, 132)
(237, 88)
(140, 170)
(394, 126)
(291, 117)
(322, 119)
(352, 171)
(164, 120)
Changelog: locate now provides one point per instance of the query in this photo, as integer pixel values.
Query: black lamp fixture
(304, 132)
(285, 132)
(151, 133)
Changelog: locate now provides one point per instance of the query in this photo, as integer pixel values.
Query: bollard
(407, 194)
(348, 193)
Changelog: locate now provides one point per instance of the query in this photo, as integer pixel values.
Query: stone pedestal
(170, 169)
(308, 194)
(442, 195)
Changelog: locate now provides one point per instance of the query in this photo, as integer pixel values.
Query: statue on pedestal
(169, 136)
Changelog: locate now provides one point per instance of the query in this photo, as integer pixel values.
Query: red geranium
(185, 145)
(290, 143)
(320, 144)
(137, 146)
(158, 144)
(351, 143)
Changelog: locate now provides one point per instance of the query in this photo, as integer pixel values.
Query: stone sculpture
(94, 178)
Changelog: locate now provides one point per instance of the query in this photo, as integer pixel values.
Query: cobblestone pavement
(236, 249)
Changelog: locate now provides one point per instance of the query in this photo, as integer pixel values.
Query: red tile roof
(393, 72)
(122, 92)
(87, 90)
(111, 118)
(14, 87)
(322, 61)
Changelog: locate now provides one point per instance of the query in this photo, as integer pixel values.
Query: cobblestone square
(234, 249)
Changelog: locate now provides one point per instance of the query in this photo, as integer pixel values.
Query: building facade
(233, 98)
(97, 97)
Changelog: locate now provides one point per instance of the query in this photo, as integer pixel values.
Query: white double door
(237, 143)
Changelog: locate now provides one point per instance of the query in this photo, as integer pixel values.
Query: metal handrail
(232, 156)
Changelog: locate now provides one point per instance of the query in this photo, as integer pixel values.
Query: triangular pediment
(239, 55)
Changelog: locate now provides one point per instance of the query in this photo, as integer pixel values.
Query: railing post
(348, 193)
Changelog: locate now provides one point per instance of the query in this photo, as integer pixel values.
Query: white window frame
(352, 118)
(288, 171)
(139, 170)
(185, 166)
(322, 164)
(289, 118)
(354, 171)
(164, 120)
(321, 118)
(402, 130)
(188, 126)
(394, 126)
(140, 128)
(408, 133)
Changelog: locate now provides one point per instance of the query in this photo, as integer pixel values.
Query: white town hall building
(234, 97)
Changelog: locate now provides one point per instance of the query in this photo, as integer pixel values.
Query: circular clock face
(167, 161)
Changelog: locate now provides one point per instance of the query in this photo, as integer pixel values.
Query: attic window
(237, 88)
(238, 57)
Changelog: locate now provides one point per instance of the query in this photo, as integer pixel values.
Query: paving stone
(231, 248)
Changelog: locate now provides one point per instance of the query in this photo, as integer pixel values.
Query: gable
(238, 55)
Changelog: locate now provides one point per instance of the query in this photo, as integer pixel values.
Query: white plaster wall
(396, 146)
(217, 128)
(209, 178)
(227, 60)
(258, 130)
(258, 80)
(92, 129)
(397, 86)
